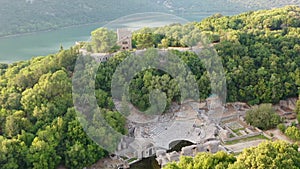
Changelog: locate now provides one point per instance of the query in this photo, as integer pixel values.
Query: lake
(26, 46)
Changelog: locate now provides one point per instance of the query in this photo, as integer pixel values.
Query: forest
(261, 45)
(29, 16)
(260, 55)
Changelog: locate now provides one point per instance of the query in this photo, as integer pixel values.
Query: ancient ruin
(189, 122)
(209, 125)
(124, 39)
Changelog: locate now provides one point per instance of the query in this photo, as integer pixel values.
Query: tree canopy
(260, 54)
(277, 155)
(263, 117)
(102, 40)
(38, 127)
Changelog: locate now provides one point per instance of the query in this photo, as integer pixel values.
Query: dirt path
(279, 136)
(240, 146)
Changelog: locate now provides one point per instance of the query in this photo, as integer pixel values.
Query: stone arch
(210, 139)
(172, 143)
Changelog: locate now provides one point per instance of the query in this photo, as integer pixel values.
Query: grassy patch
(131, 160)
(258, 137)
(237, 130)
(124, 158)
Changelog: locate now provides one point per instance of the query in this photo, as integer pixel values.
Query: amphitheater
(184, 123)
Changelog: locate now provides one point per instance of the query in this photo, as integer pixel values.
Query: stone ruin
(193, 122)
(212, 146)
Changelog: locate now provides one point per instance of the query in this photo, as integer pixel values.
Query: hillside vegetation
(259, 50)
(36, 15)
(277, 155)
(266, 3)
(260, 53)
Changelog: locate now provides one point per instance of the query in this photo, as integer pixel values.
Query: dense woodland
(260, 54)
(267, 155)
(259, 51)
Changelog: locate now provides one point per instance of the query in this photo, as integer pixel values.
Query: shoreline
(50, 29)
(65, 27)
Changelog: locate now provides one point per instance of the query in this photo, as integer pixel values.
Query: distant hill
(262, 4)
(259, 50)
(36, 15)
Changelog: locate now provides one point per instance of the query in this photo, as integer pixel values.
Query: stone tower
(124, 39)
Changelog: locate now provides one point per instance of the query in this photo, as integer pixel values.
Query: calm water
(24, 47)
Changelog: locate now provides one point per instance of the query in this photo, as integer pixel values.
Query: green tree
(213, 161)
(298, 117)
(220, 160)
(278, 155)
(15, 123)
(43, 155)
(103, 40)
(13, 154)
(298, 107)
(281, 127)
(293, 133)
(79, 150)
(43, 150)
(165, 43)
(171, 166)
(275, 155)
(263, 117)
(143, 40)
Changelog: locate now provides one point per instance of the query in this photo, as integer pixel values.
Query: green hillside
(36, 15)
(266, 3)
(260, 53)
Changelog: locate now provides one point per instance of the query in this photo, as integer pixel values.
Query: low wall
(230, 117)
(243, 137)
(233, 133)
